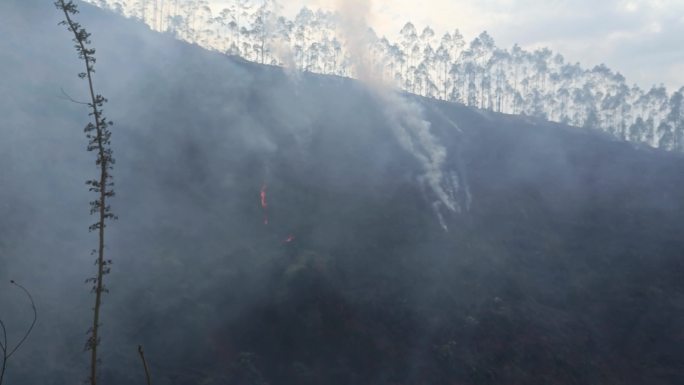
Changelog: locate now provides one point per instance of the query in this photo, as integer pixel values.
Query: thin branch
(4, 335)
(4, 345)
(4, 352)
(35, 319)
(69, 98)
(144, 362)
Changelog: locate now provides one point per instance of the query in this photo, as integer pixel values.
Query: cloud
(616, 32)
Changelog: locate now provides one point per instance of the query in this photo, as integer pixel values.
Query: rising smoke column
(410, 128)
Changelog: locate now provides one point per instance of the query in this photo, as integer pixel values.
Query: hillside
(489, 249)
(479, 72)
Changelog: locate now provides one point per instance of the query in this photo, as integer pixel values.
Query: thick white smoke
(411, 129)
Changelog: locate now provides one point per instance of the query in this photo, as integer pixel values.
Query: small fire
(264, 204)
(289, 239)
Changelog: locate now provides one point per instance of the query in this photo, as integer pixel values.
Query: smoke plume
(411, 129)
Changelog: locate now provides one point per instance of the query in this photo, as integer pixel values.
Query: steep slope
(562, 266)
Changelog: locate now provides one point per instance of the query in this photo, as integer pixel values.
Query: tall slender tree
(99, 140)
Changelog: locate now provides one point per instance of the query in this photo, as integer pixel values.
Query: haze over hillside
(537, 83)
(284, 227)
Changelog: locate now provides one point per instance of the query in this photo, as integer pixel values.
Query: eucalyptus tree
(498, 63)
(670, 129)
(155, 15)
(242, 10)
(141, 11)
(164, 9)
(263, 28)
(302, 36)
(676, 118)
(485, 52)
(517, 59)
(424, 72)
(637, 130)
(409, 45)
(259, 33)
(227, 20)
(202, 24)
(443, 57)
(189, 10)
(541, 58)
(564, 99)
(447, 53)
(457, 79)
(337, 56)
(654, 105)
(398, 60)
(425, 40)
(428, 61)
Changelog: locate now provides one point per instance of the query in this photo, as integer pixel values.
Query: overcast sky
(642, 39)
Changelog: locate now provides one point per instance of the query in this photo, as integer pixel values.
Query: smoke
(411, 129)
(196, 136)
(283, 51)
(353, 28)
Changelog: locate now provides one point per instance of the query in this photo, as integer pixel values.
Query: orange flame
(289, 239)
(264, 204)
(263, 197)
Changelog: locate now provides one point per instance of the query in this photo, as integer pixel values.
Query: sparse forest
(478, 74)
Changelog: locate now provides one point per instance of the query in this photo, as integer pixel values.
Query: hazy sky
(642, 39)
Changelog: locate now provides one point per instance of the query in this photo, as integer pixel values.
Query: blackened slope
(566, 270)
